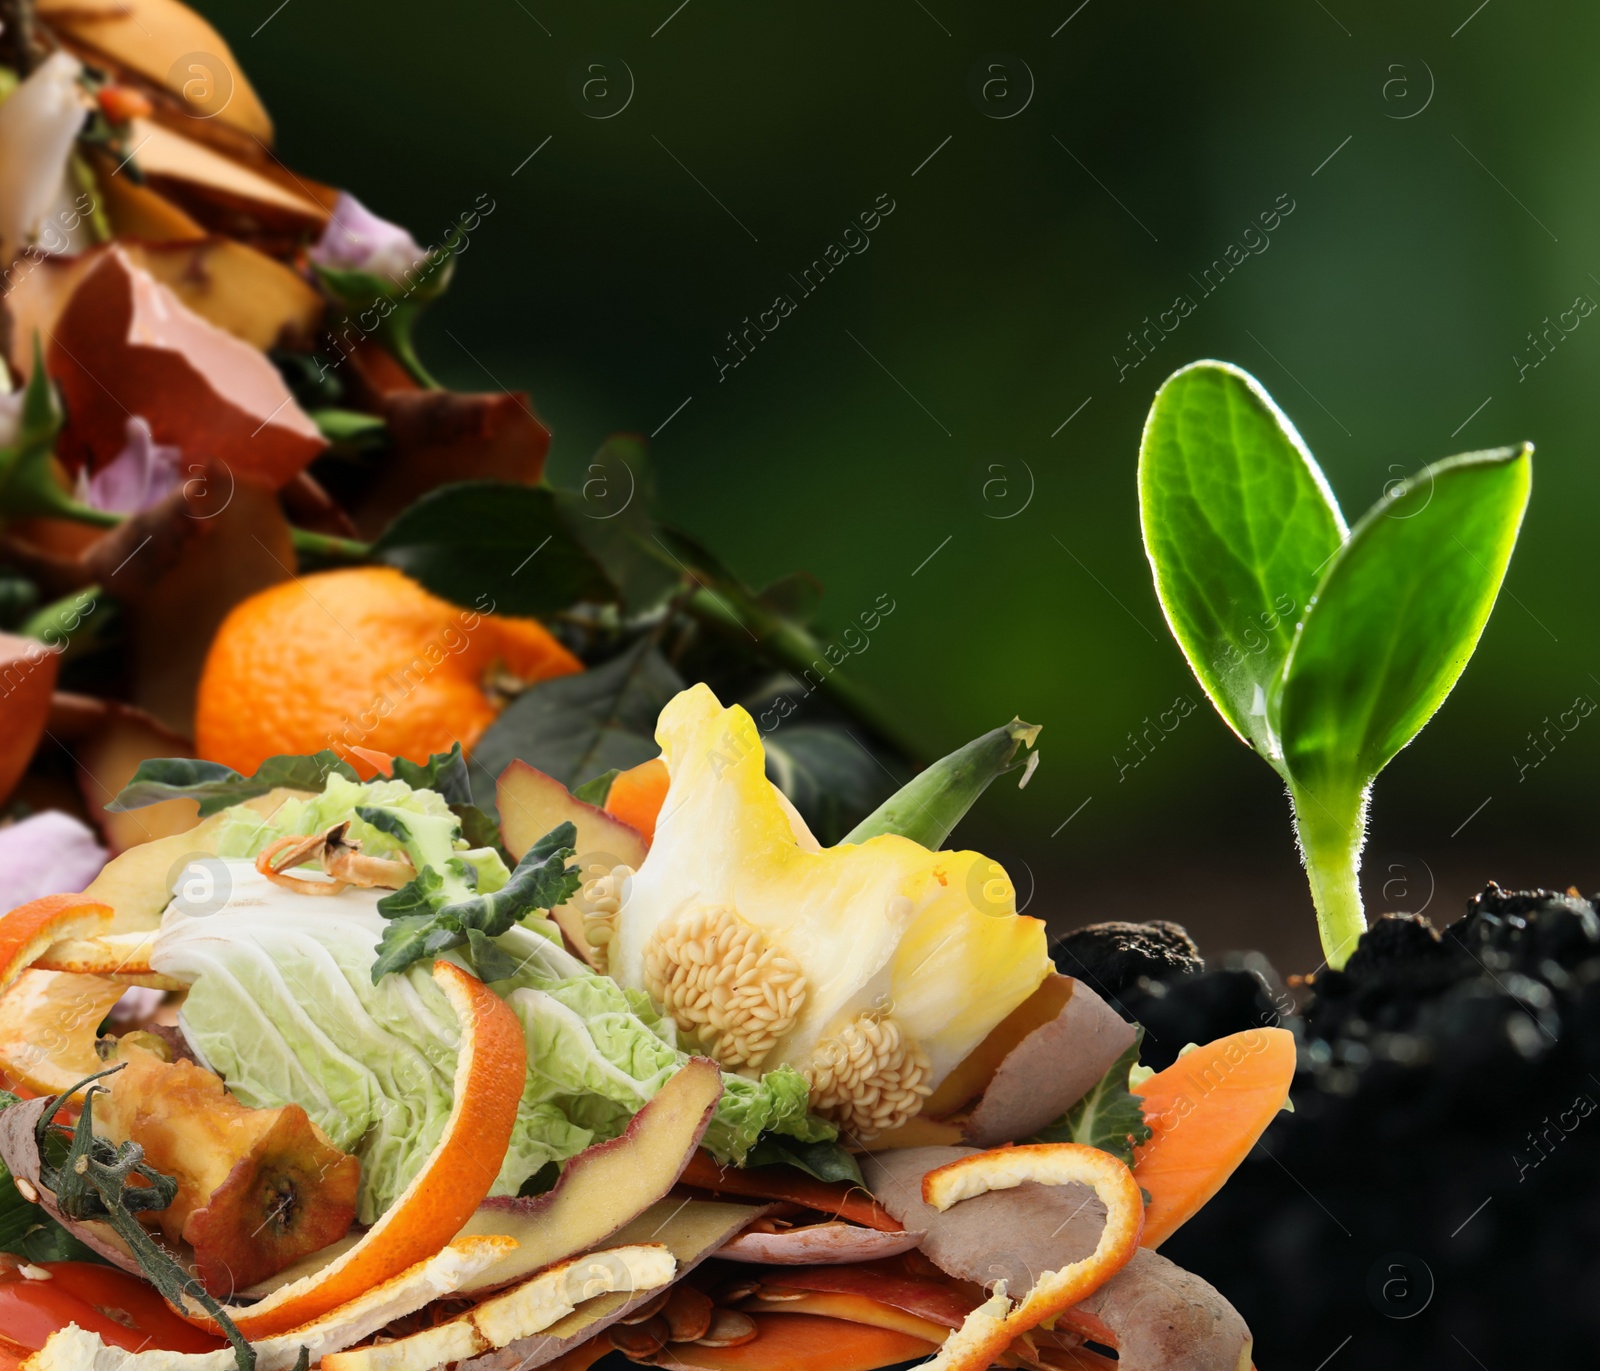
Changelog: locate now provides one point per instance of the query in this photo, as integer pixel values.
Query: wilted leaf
(216, 786)
(827, 1161)
(575, 727)
(610, 514)
(1110, 1116)
(488, 538)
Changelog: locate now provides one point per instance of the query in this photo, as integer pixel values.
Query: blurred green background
(1440, 162)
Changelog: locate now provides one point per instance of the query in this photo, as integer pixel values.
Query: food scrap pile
(739, 1100)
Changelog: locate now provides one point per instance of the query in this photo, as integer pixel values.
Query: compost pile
(1430, 1201)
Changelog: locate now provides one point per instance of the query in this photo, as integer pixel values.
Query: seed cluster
(600, 899)
(868, 1077)
(721, 981)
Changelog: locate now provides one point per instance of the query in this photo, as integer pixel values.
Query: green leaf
(480, 830)
(28, 480)
(575, 726)
(1109, 1117)
(445, 772)
(1398, 615)
(423, 925)
(831, 778)
(419, 895)
(542, 880)
(610, 514)
(494, 546)
(487, 959)
(1396, 618)
(929, 806)
(597, 791)
(827, 1161)
(216, 786)
(1238, 524)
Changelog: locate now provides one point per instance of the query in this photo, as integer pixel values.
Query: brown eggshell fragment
(27, 677)
(126, 345)
(243, 292)
(1050, 1070)
(819, 1244)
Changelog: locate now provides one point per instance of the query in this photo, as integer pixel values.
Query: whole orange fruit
(361, 657)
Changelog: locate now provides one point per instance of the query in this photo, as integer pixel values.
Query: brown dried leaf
(439, 436)
(246, 548)
(1050, 1070)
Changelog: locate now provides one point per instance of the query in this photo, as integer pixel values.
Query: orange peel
(29, 929)
(48, 1025)
(989, 1329)
(122, 957)
(445, 1192)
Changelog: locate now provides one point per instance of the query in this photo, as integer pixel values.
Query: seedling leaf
(1399, 614)
(1238, 524)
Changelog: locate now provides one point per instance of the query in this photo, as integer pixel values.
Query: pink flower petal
(143, 474)
(356, 239)
(50, 853)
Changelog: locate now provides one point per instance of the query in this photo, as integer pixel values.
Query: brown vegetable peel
(1050, 1070)
(819, 1244)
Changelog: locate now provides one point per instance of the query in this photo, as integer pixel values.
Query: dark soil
(1434, 1199)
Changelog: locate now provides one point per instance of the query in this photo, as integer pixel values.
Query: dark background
(1386, 311)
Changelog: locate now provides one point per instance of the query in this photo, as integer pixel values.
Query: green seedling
(1325, 648)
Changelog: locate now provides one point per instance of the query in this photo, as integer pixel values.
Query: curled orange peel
(29, 929)
(989, 1329)
(444, 1194)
